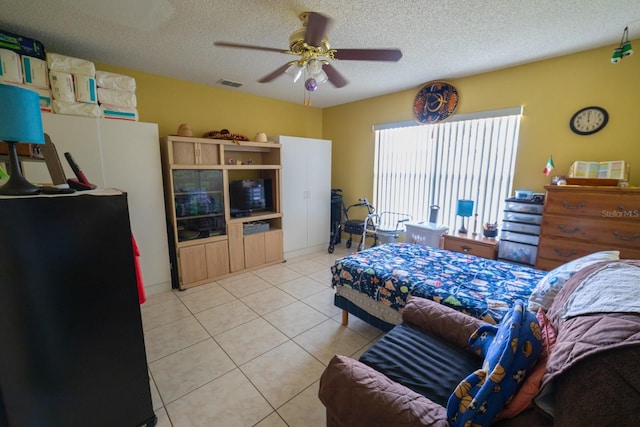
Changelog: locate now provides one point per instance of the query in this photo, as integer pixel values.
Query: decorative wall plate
(435, 102)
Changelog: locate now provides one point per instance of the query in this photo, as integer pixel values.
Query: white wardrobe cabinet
(306, 193)
(123, 155)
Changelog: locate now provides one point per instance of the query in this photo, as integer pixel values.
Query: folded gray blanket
(613, 288)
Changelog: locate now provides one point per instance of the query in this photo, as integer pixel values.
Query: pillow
(531, 385)
(549, 286)
(509, 350)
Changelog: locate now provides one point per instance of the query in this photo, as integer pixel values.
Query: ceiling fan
(311, 44)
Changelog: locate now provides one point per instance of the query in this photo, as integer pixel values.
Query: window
(417, 166)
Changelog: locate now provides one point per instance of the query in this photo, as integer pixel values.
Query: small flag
(549, 167)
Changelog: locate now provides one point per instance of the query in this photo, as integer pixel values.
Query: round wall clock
(435, 101)
(589, 120)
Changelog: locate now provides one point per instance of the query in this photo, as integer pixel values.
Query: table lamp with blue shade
(20, 121)
(464, 208)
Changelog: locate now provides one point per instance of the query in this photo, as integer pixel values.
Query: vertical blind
(420, 166)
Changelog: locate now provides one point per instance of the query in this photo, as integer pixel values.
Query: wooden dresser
(579, 220)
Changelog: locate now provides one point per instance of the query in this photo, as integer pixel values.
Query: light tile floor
(249, 350)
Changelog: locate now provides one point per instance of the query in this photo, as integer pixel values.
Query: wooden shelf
(204, 259)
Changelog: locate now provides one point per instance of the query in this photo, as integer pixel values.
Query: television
(248, 195)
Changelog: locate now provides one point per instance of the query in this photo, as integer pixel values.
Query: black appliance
(72, 350)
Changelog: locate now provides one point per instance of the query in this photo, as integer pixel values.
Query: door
(193, 265)
(254, 250)
(217, 259)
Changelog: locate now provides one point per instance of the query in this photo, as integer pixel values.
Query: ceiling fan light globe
(295, 71)
(314, 66)
(321, 77)
(310, 84)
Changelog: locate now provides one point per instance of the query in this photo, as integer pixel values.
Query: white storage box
(425, 233)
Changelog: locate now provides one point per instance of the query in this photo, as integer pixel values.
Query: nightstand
(468, 244)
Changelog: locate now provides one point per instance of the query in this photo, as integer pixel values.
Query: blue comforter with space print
(479, 287)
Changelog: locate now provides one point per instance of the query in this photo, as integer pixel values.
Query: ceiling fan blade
(334, 76)
(317, 27)
(369, 54)
(249, 46)
(277, 73)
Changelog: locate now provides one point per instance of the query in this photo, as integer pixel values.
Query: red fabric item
(142, 297)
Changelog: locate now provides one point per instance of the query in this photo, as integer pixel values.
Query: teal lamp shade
(20, 121)
(464, 208)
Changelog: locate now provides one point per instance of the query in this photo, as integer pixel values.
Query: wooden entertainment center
(207, 239)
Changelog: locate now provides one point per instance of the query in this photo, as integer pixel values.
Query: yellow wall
(170, 102)
(550, 91)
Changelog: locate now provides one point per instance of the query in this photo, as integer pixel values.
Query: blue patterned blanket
(482, 288)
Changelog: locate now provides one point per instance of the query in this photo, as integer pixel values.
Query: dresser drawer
(564, 250)
(602, 231)
(471, 247)
(547, 264)
(614, 203)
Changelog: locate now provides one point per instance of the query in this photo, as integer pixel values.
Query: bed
(374, 284)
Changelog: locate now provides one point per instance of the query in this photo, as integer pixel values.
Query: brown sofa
(591, 378)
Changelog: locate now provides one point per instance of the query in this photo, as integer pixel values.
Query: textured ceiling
(444, 39)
